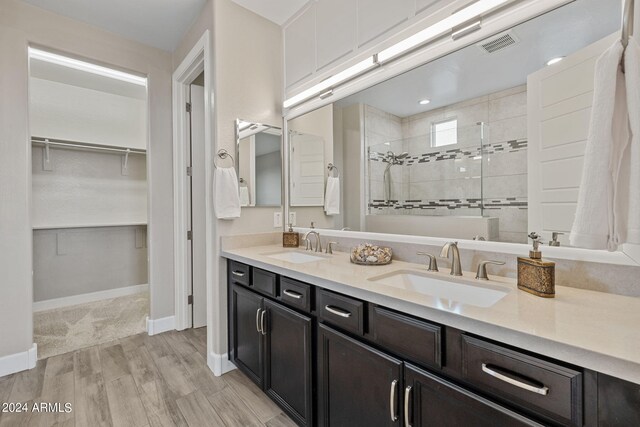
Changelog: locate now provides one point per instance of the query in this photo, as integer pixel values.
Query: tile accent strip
(471, 203)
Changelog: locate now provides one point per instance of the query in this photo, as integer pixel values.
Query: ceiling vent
(497, 43)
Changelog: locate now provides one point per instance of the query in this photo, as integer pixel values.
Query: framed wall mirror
(484, 143)
(259, 164)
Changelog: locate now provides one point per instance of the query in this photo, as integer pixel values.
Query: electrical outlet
(277, 219)
(292, 219)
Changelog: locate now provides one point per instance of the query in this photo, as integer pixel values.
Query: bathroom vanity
(333, 347)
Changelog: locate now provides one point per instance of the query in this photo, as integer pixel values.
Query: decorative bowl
(368, 254)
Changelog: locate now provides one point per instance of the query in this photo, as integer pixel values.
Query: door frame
(195, 62)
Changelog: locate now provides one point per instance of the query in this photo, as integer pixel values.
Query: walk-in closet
(88, 126)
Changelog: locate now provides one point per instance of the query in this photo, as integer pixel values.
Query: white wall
(21, 24)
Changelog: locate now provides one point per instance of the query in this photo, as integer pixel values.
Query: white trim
(219, 363)
(518, 249)
(159, 326)
(196, 61)
(90, 297)
(17, 362)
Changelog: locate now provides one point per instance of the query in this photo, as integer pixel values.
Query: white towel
(332, 196)
(226, 199)
(611, 181)
(244, 196)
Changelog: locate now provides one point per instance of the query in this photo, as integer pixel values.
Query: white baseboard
(159, 326)
(90, 297)
(19, 361)
(220, 363)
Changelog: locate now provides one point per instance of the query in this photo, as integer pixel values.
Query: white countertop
(596, 330)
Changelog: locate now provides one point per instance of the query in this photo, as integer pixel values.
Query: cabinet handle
(258, 321)
(238, 273)
(393, 410)
(540, 390)
(407, 398)
(262, 322)
(292, 294)
(337, 311)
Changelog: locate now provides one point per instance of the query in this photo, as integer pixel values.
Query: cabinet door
(432, 401)
(246, 339)
(288, 373)
(358, 385)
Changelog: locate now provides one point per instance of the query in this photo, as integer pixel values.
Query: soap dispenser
(290, 239)
(536, 275)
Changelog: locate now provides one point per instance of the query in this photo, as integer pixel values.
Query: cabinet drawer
(339, 310)
(239, 273)
(551, 390)
(264, 281)
(296, 294)
(413, 339)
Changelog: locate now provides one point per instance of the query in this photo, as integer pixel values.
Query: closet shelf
(84, 146)
(97, 225)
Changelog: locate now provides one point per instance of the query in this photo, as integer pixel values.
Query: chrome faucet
(456, 268)
(318, 241)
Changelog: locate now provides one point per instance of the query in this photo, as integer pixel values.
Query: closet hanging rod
(77, 145)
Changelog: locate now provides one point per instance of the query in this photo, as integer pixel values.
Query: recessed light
(555, 60)
(425, 101)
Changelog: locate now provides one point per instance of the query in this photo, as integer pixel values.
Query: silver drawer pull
(258, 321)
(540, 390)
(238, 273)
(292, 294)
(337, 311)
(407, 398)
(392, 401)
(262, 330)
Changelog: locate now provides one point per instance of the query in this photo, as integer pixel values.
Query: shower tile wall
(454, 179)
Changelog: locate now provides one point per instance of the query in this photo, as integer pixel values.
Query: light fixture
(327, 84)
(86, 66)
(465, 29)
(424, 101)
(459, 18)
(555, 60)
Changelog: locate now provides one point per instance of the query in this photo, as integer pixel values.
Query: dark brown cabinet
(247, 346)
(288, 363)
(357, 385)
(432, 401)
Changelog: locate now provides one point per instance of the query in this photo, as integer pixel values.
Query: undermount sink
(479, 295)
(295, 257)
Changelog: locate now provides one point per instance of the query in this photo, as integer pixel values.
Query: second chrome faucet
(452, 247)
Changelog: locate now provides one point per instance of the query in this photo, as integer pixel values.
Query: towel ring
(332, 168)
(223, 154)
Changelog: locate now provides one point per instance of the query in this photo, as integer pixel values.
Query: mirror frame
(510, 17)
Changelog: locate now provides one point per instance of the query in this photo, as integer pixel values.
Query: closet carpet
(71, 328)
(139, 381)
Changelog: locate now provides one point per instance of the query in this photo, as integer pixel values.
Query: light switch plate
(277, 219)
(292, 219)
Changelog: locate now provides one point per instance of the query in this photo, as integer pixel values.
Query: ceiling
(278, 11)
(157, 23)
(470, 72)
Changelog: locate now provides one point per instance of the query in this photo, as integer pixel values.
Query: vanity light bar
(439, 28)
(325, 85)
(86, 66)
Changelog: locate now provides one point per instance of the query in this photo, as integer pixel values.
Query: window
(444, 133)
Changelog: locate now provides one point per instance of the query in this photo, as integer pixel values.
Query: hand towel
(225, 193)
(244, 196)
(593, 225)
(332, 196)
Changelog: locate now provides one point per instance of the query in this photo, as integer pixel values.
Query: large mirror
(486, 142)
(259, 163)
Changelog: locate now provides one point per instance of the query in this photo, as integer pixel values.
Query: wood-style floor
(140, 380)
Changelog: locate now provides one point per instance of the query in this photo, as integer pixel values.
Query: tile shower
(484, 173)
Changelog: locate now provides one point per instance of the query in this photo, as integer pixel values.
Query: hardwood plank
(86, 362)
(6, 383)
(17, 419)
(198, 339)
(141, 365)
(281, 420)
(92, 404)
(180, 343)
(114, 363)
(176, 375)
(160, 404)
(253, 397)
(232, 410)
(59, 365)
(133, 342)
(201, 376)
(125, 404)
(198, 411)
(58, 389)
(158, 346)
(27, 385)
